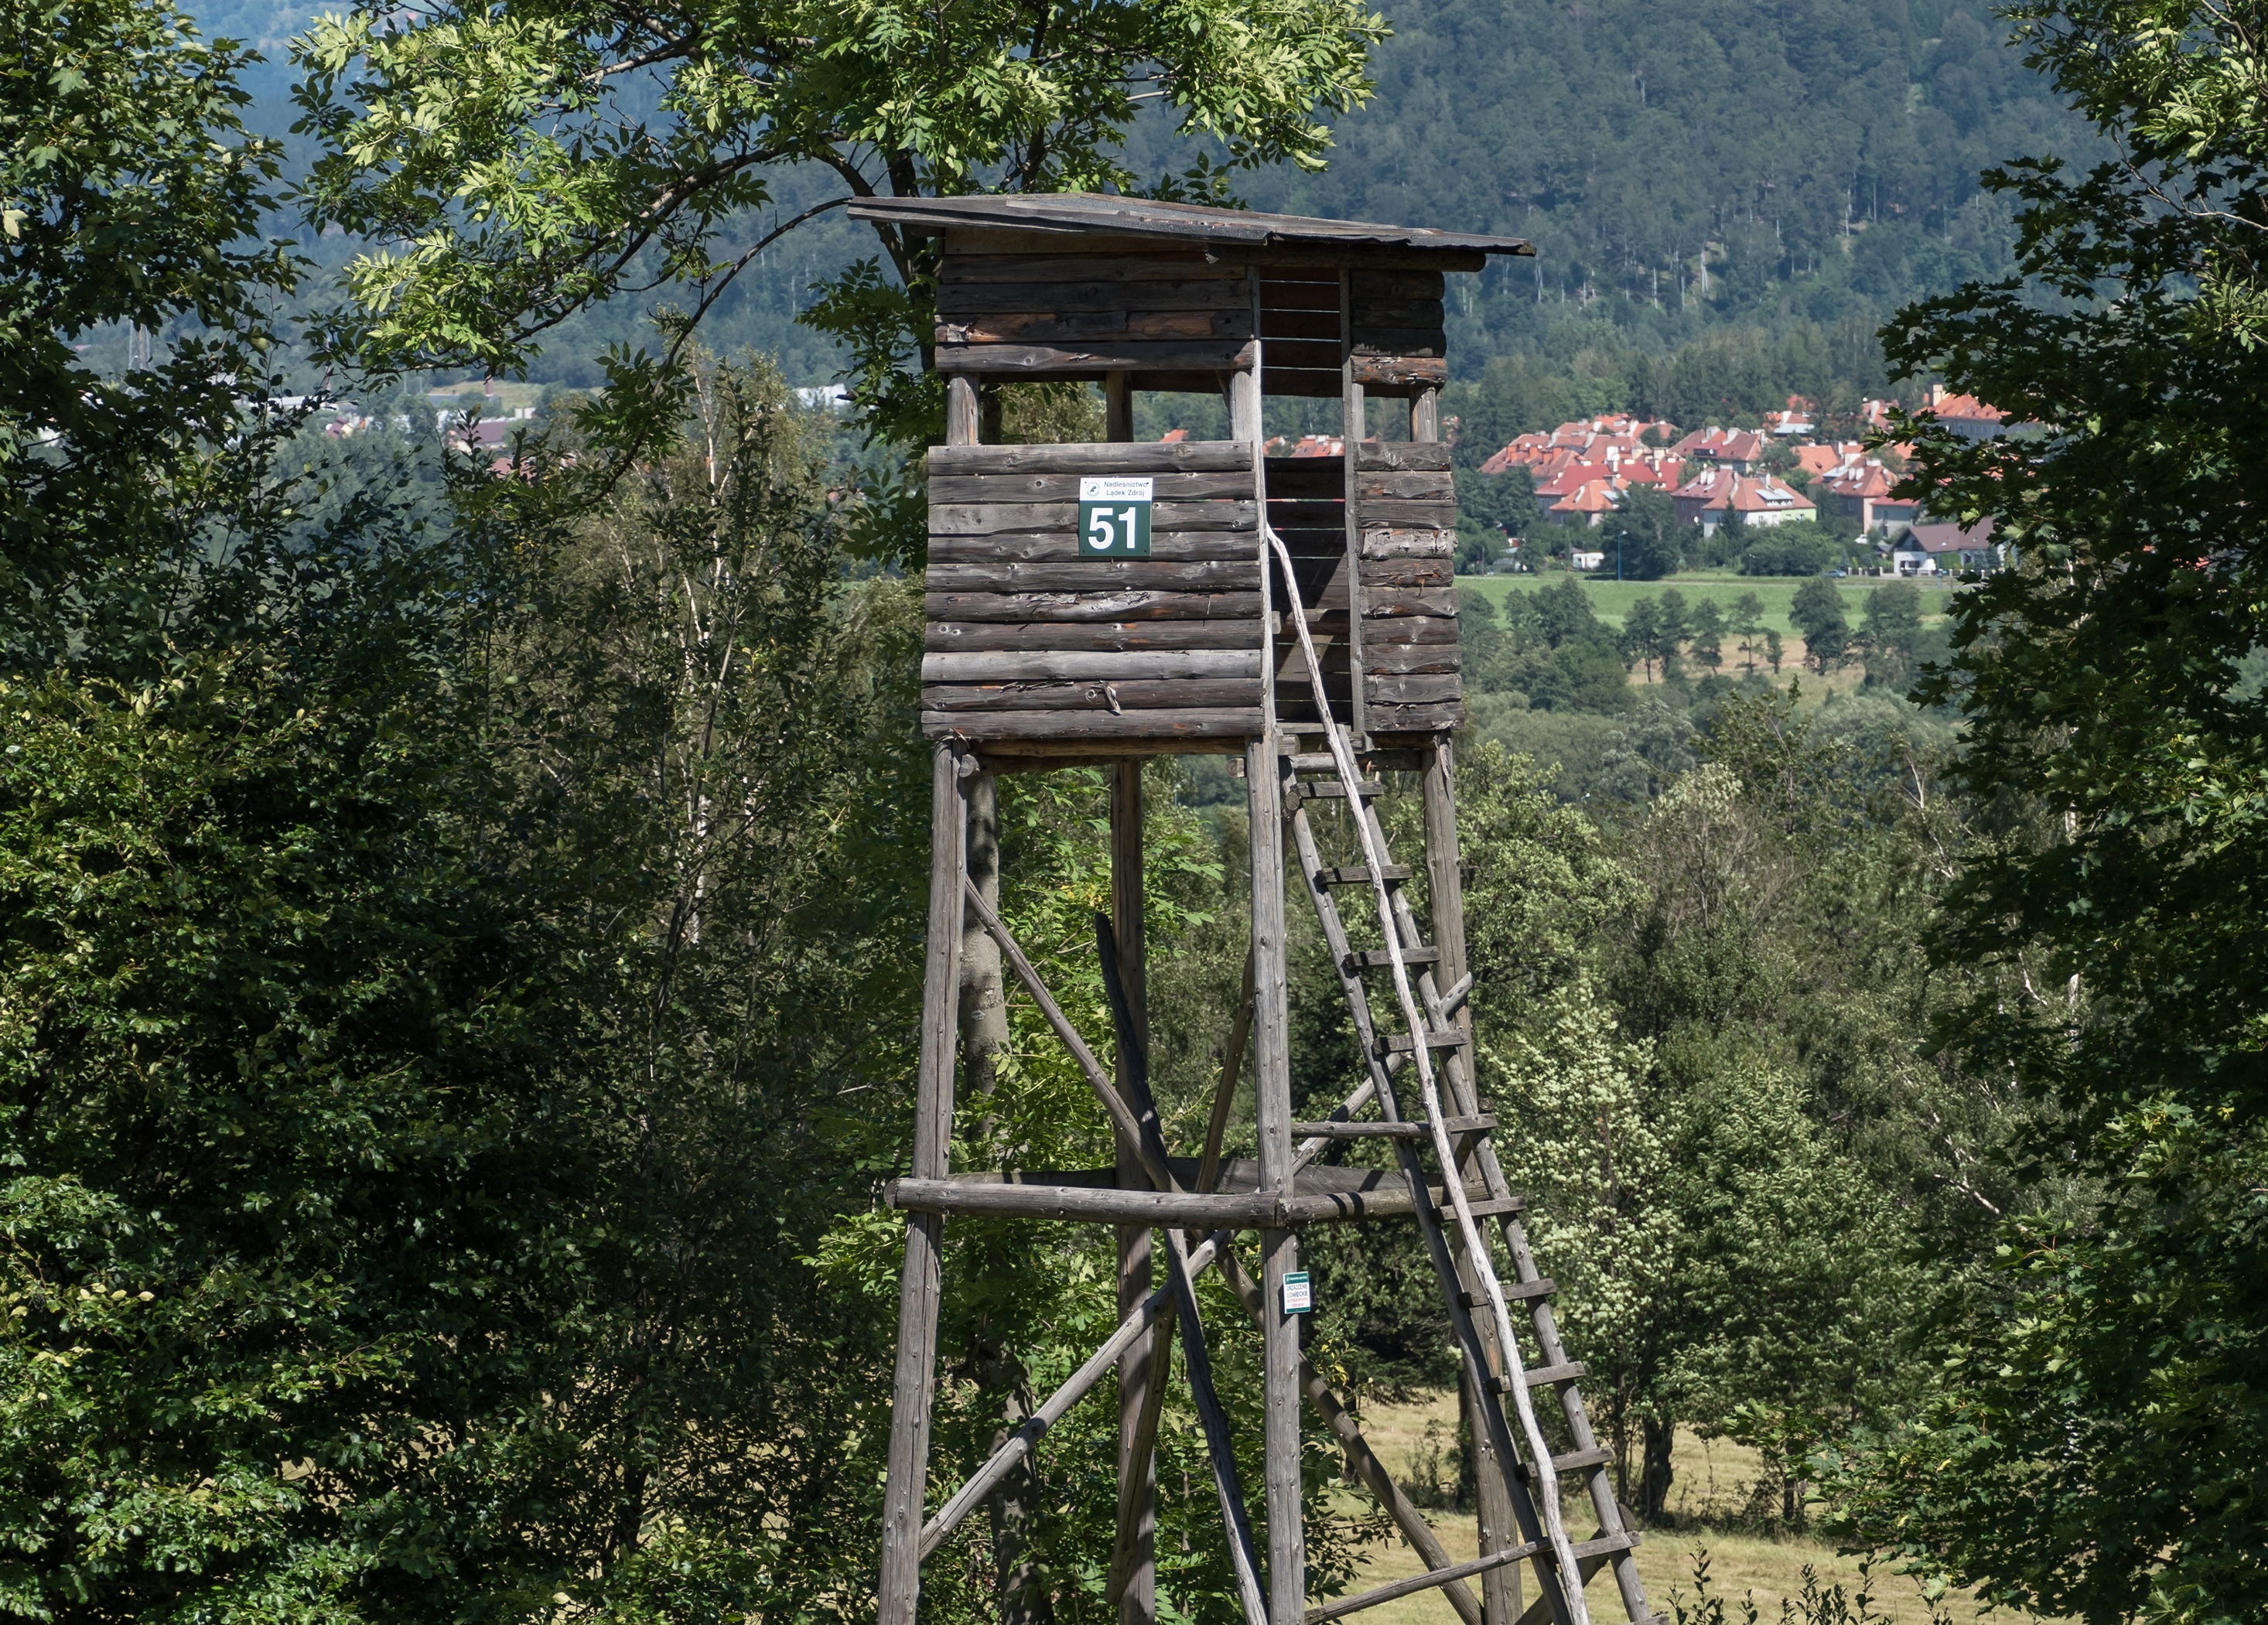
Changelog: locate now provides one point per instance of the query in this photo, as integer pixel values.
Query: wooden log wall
(1406, 507)
(1027, 641)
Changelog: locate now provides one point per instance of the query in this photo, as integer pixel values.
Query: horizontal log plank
(1405, 343)
(1083, 326)
(1053, 485)
(1061, 547)
(1405, 485)
(1395, 512)
(1397, 719)
(1409, 544)
(1367, 284)
(1073, 664)
(959, 301)
(1383, 603)
(1101, 577)
(1153, 457)
(1409, 631)
(949, 637)
(1126, 355)
(994, 519)
(1433, 572)
(1416, 689)
(988, 268)
(1185, 1210)
(1400, 372)
(1336, 256)
(1399, 454)
(1178, 693)
(1118, 605)
(1164, 727)
(1408, 659)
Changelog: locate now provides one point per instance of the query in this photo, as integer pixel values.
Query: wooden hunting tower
(1100, 603)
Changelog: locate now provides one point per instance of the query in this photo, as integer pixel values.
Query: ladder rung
(1442, 1038)
(1598, 1455)
(1381, 958)
(1499, 1207)
(1537, 1376)
(1358, 874)
(1521, 1292)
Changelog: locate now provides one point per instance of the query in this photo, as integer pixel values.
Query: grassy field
(1610, 600)
(1713, 1482)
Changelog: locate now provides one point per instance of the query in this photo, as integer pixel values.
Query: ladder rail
(1569, 1575)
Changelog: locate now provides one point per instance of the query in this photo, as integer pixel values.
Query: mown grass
(1711, 1489)
(1610, 600)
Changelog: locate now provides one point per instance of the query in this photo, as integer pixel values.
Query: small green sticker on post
(1298, 1296)
(1114, 517)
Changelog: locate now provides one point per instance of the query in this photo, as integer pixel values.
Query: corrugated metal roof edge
(1142, 216)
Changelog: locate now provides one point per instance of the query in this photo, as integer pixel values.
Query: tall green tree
(524, 163)
(1818, 613)
(2093, 1452)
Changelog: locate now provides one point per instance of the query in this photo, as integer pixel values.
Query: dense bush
(1798, 547)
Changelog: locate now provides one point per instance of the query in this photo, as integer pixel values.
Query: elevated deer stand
(1101, 604)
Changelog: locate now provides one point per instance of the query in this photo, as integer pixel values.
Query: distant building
(1945, 550)
(1761, 500)
(1965, 415)
(1858, 493)
(1582, 559)
(1738, 449)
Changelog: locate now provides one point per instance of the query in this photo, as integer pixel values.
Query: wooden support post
(1137, 1465)
(913, 1385)
(1287, 1588)
(1351, 426)
(959, 410)
(1118, 405)
(1425, 415)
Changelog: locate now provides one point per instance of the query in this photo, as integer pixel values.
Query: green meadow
(1610, 600)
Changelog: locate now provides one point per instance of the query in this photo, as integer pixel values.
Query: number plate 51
(1113, 517)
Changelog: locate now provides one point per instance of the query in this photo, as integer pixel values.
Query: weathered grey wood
(1417, 689)
(1392, 513)
(1592, 1555)
(1102, 1204)
(913, 1384)
(1062, 547)
(1078, 328)
(1071, 665)
(1135, 1579)
(1402, 343)
(959, 411)
(1409, 544)
(1409, 629)
(1340, 1607)
(1407, 484)
(1224, 1094)
(1379, 258)
(1426, 418)
(1159, 728)
(1061, 486)
(1122, 604)
(1152, 457)
(970, 701)
(992, 518)
(1030, 637)
(957, 301)
(1414, 601)
(958, 268)
(1099, 577)
(1400, 455)
(1400, 372)
(1101, 355)
(1395, 724)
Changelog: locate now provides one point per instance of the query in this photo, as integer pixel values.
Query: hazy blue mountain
(1820, 156)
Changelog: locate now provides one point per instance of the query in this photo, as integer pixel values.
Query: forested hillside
(1752, 163)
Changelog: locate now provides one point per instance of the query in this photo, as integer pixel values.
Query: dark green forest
(460, 935)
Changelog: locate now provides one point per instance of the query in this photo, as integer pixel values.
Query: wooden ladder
(1417, 1022)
